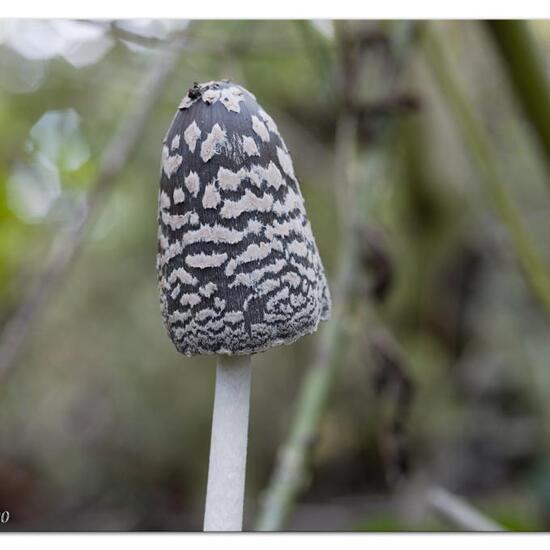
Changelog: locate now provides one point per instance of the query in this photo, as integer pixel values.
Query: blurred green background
(443, 372)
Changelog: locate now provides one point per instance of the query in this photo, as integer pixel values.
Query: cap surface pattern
(239, 270)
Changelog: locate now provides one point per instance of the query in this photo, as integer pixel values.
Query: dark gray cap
(239, 270)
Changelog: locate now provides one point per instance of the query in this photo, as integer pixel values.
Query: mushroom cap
(239, 270)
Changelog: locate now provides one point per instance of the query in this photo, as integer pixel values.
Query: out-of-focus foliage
(103, 425)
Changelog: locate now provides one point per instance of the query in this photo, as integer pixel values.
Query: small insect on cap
(239, 271)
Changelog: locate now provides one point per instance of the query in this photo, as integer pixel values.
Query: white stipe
(227, 467)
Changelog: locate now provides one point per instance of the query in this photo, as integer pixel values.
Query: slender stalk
(289, 470)
(476, 142)
(227, 466)
(70, 240)
(459, 513)
(526, 74)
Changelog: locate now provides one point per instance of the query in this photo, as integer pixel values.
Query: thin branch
(289, 470)
(124, 34)
(458, 512)
(71, 239)
(476, 142)
(289, 473)
(526, 74)
(319, 52)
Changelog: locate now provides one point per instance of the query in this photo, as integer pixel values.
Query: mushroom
(239, 270)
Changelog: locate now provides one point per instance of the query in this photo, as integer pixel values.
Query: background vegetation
(422, 151)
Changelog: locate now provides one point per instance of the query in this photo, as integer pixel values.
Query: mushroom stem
(227, 467)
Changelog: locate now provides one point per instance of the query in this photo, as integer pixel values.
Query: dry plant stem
(289, 472)
(526, 73)
(227, 466)
(477, 144)
(459, 513)
(69, 240)
(290, 467)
